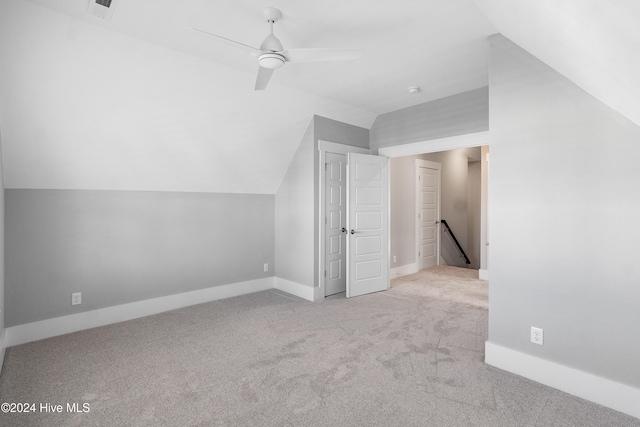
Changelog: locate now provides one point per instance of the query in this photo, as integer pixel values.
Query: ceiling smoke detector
(413, 89)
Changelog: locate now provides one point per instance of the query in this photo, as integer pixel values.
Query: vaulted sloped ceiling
(88, 108)
(594, 43)
(138, 102)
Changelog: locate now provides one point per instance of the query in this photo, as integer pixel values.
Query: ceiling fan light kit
(272, 55)
(271, 60)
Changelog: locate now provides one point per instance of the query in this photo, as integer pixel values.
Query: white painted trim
(403, 270)
(484, 211)
(3, 347)
(434, 145)
(324, 147)
(318, 293)
(334, 147)
(428, 164)
(91, 319)
(483, 274)
(297, 289)
(600, 390)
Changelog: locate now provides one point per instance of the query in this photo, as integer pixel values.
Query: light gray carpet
(410, 356)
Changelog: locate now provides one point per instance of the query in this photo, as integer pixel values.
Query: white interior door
(336, 223)
(427, 215)
(368, 223)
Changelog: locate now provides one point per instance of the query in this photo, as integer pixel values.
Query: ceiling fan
(272, 55)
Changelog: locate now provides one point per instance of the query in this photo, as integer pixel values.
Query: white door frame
(433, 146)
(431, 165)
(324, 147)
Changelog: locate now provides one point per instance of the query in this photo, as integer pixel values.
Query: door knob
(344, 230)
(353, 232)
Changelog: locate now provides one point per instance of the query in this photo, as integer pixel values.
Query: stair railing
(453, 237)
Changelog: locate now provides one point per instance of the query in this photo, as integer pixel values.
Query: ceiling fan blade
(252, 50)
(321, 54)
(264, 74)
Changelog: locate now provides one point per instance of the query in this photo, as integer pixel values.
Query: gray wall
(339, 132)
(297, 218)
(294, 230)
(2, 285)
(402, 199)
(118, 247)
(455, 115)
(564, 200)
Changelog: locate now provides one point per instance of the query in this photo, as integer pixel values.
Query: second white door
(368, 213)
(428, 213)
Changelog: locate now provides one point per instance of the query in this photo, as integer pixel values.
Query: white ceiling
(438, 45)
(141, 103)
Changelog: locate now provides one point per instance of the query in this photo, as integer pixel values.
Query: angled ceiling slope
(138, 103)
(594, 43)
(84, 107)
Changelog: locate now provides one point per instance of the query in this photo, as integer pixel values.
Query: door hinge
(326, 166)
(419, 253)
(325, 273)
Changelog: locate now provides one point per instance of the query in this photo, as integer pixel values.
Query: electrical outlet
(394, 259)
(266, 266)
(537, 336)
(76, 298)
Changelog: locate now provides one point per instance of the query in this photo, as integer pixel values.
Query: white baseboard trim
(403, 270)
(3, 347)
(297, 289)
(483, 274)
(587, 386)
(34, 331)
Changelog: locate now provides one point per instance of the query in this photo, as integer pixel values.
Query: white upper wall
(87, 108)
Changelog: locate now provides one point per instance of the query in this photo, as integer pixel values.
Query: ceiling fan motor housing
(272, 44)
